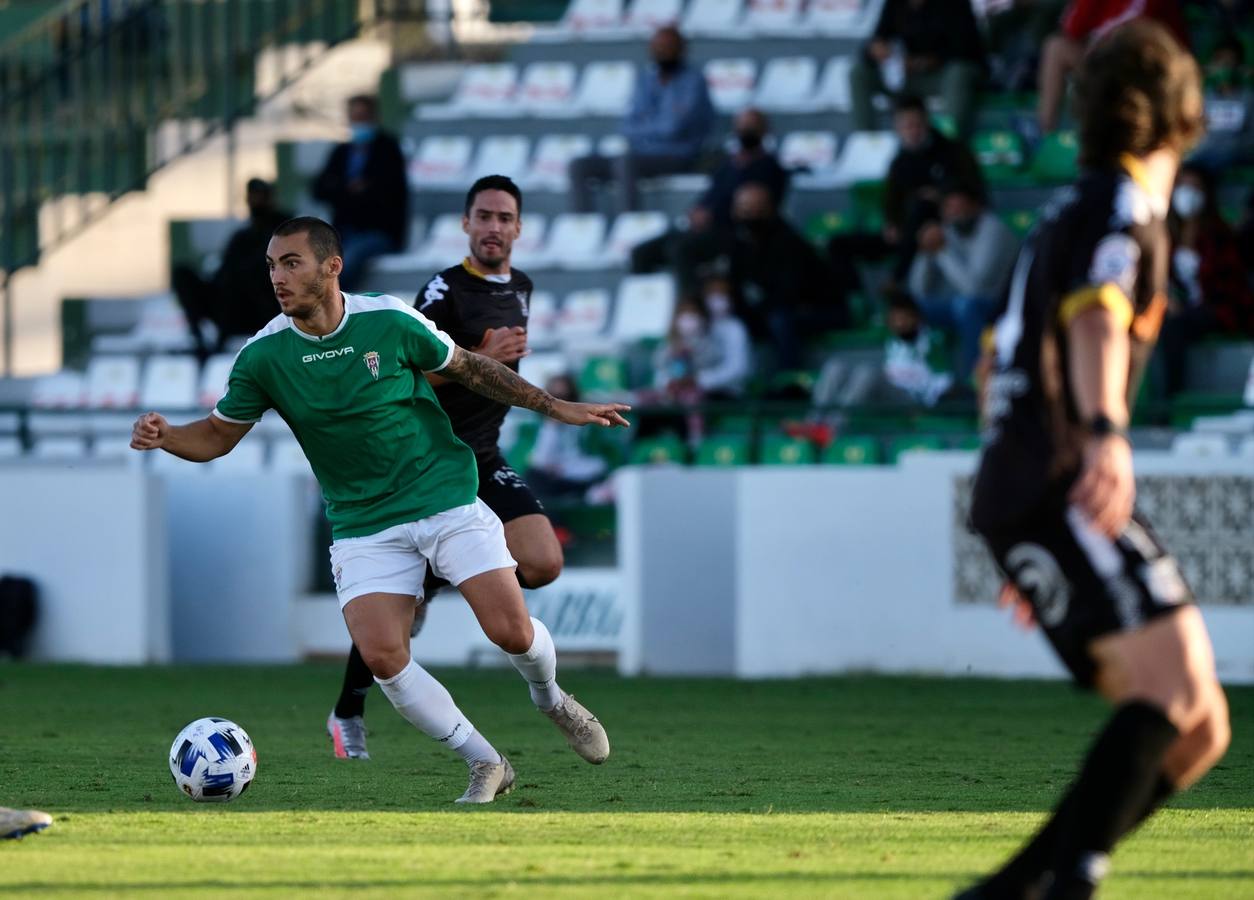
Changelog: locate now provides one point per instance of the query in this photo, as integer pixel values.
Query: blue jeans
(964, 316)
(360, 247)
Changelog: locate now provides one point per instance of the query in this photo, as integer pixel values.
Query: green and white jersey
(356, 399)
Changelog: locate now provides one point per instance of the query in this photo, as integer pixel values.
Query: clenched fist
(149, 432)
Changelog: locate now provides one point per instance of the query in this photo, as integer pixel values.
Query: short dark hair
(324, 240)
(1137, 90)
(493, 183)
(366, 99)
(909, 103)
(896, 298)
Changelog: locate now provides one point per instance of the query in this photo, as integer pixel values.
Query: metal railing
(98, 95)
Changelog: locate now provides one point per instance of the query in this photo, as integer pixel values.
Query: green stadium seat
(821, 227)
(518, 452)
(853, 451)
(971, 442)
(603, 375)
(782, 450)
(945, 124)
(1000, 154)
(1020, 221)
(653, 451)
(1055, 158)
(900, 445)
(729, 425)
(724, 450)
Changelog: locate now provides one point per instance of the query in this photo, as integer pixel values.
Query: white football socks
(427, 705)
(539, 666)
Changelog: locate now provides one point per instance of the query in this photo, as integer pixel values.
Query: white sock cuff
(541, 644)
(399, 677)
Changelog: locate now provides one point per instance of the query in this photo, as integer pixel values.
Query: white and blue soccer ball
(213, 760)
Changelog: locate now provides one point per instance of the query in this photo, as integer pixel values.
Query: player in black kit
(482, 304)
(1054, 494)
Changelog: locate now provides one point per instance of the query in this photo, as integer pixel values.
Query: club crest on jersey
(371, 359)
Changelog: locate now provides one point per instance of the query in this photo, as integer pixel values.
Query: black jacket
(942, 161)
(383, 204)
(945, 29)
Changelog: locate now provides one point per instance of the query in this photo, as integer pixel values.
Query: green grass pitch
(842, 787)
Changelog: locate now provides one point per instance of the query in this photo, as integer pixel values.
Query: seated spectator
(1229, 101)
(961, 270)
(236, 297)
(559, 466)
(1083, 22)
(926, 160)
(785, 288)
(707, 354)
(1014, 31)
(915, 371)
(710, 219)
(925, 47)
(666, 127)
(1210, 282)
(365, 185)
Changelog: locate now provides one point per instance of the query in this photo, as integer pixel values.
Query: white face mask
(719, 305)
(1187, 201)
(688, 325)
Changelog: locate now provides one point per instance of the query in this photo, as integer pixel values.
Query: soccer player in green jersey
(346, 372)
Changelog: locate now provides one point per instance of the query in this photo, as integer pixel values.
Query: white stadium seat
(605, 88)
(168, 464)
(584, 314)
(584, 16)
(1201, 445)
(548, 90)
(612, 145)
(551, 165)
(542, 321)
(60, 448)
(286, 455)
(1245, 449)
(529, 248)
(169, 382)
(65, 389)
(500, 154)
(213, 379)
(485, 89)
(646, 16)
(446, 242)
(731, 83)
(834, 18)
(113, 382)
(248, 457)
(630, 229)
(866, 157)
(441, 161)
(815, 153)
(538, 368)
(575, 241)
(10, 448)
(118, 450)
(787, 85)
(162, 328)
(644, 308)
(779, 17)
(833, 89)
(714, 18)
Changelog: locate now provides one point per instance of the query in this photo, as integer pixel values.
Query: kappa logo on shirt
(436, 289)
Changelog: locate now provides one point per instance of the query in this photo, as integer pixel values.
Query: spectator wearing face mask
(707, 355)
(1209, 279)
(559, 465)
(1229, 98)
(365, 185)
(710, 225)
(666, 127)
(786, 290)
(961, 270)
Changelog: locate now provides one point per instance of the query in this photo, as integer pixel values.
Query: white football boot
(583, 731)
(488, 781)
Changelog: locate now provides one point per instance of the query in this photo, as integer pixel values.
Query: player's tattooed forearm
(497, 382)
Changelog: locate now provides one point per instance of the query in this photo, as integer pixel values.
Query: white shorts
(458, 543)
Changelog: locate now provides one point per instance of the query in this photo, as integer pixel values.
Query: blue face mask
(363, 132)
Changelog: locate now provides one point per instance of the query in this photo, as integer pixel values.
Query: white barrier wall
(94, 541)
(762, 572)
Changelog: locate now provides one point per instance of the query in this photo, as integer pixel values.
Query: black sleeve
(965, 42)
(329, 186)
(885, 28)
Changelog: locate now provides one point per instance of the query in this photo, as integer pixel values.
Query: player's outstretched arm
(502, 384)
(198, 441)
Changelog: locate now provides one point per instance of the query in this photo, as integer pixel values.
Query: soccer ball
(213, 760)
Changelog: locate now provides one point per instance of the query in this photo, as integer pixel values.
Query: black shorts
(505, 493)
(1082, 585)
